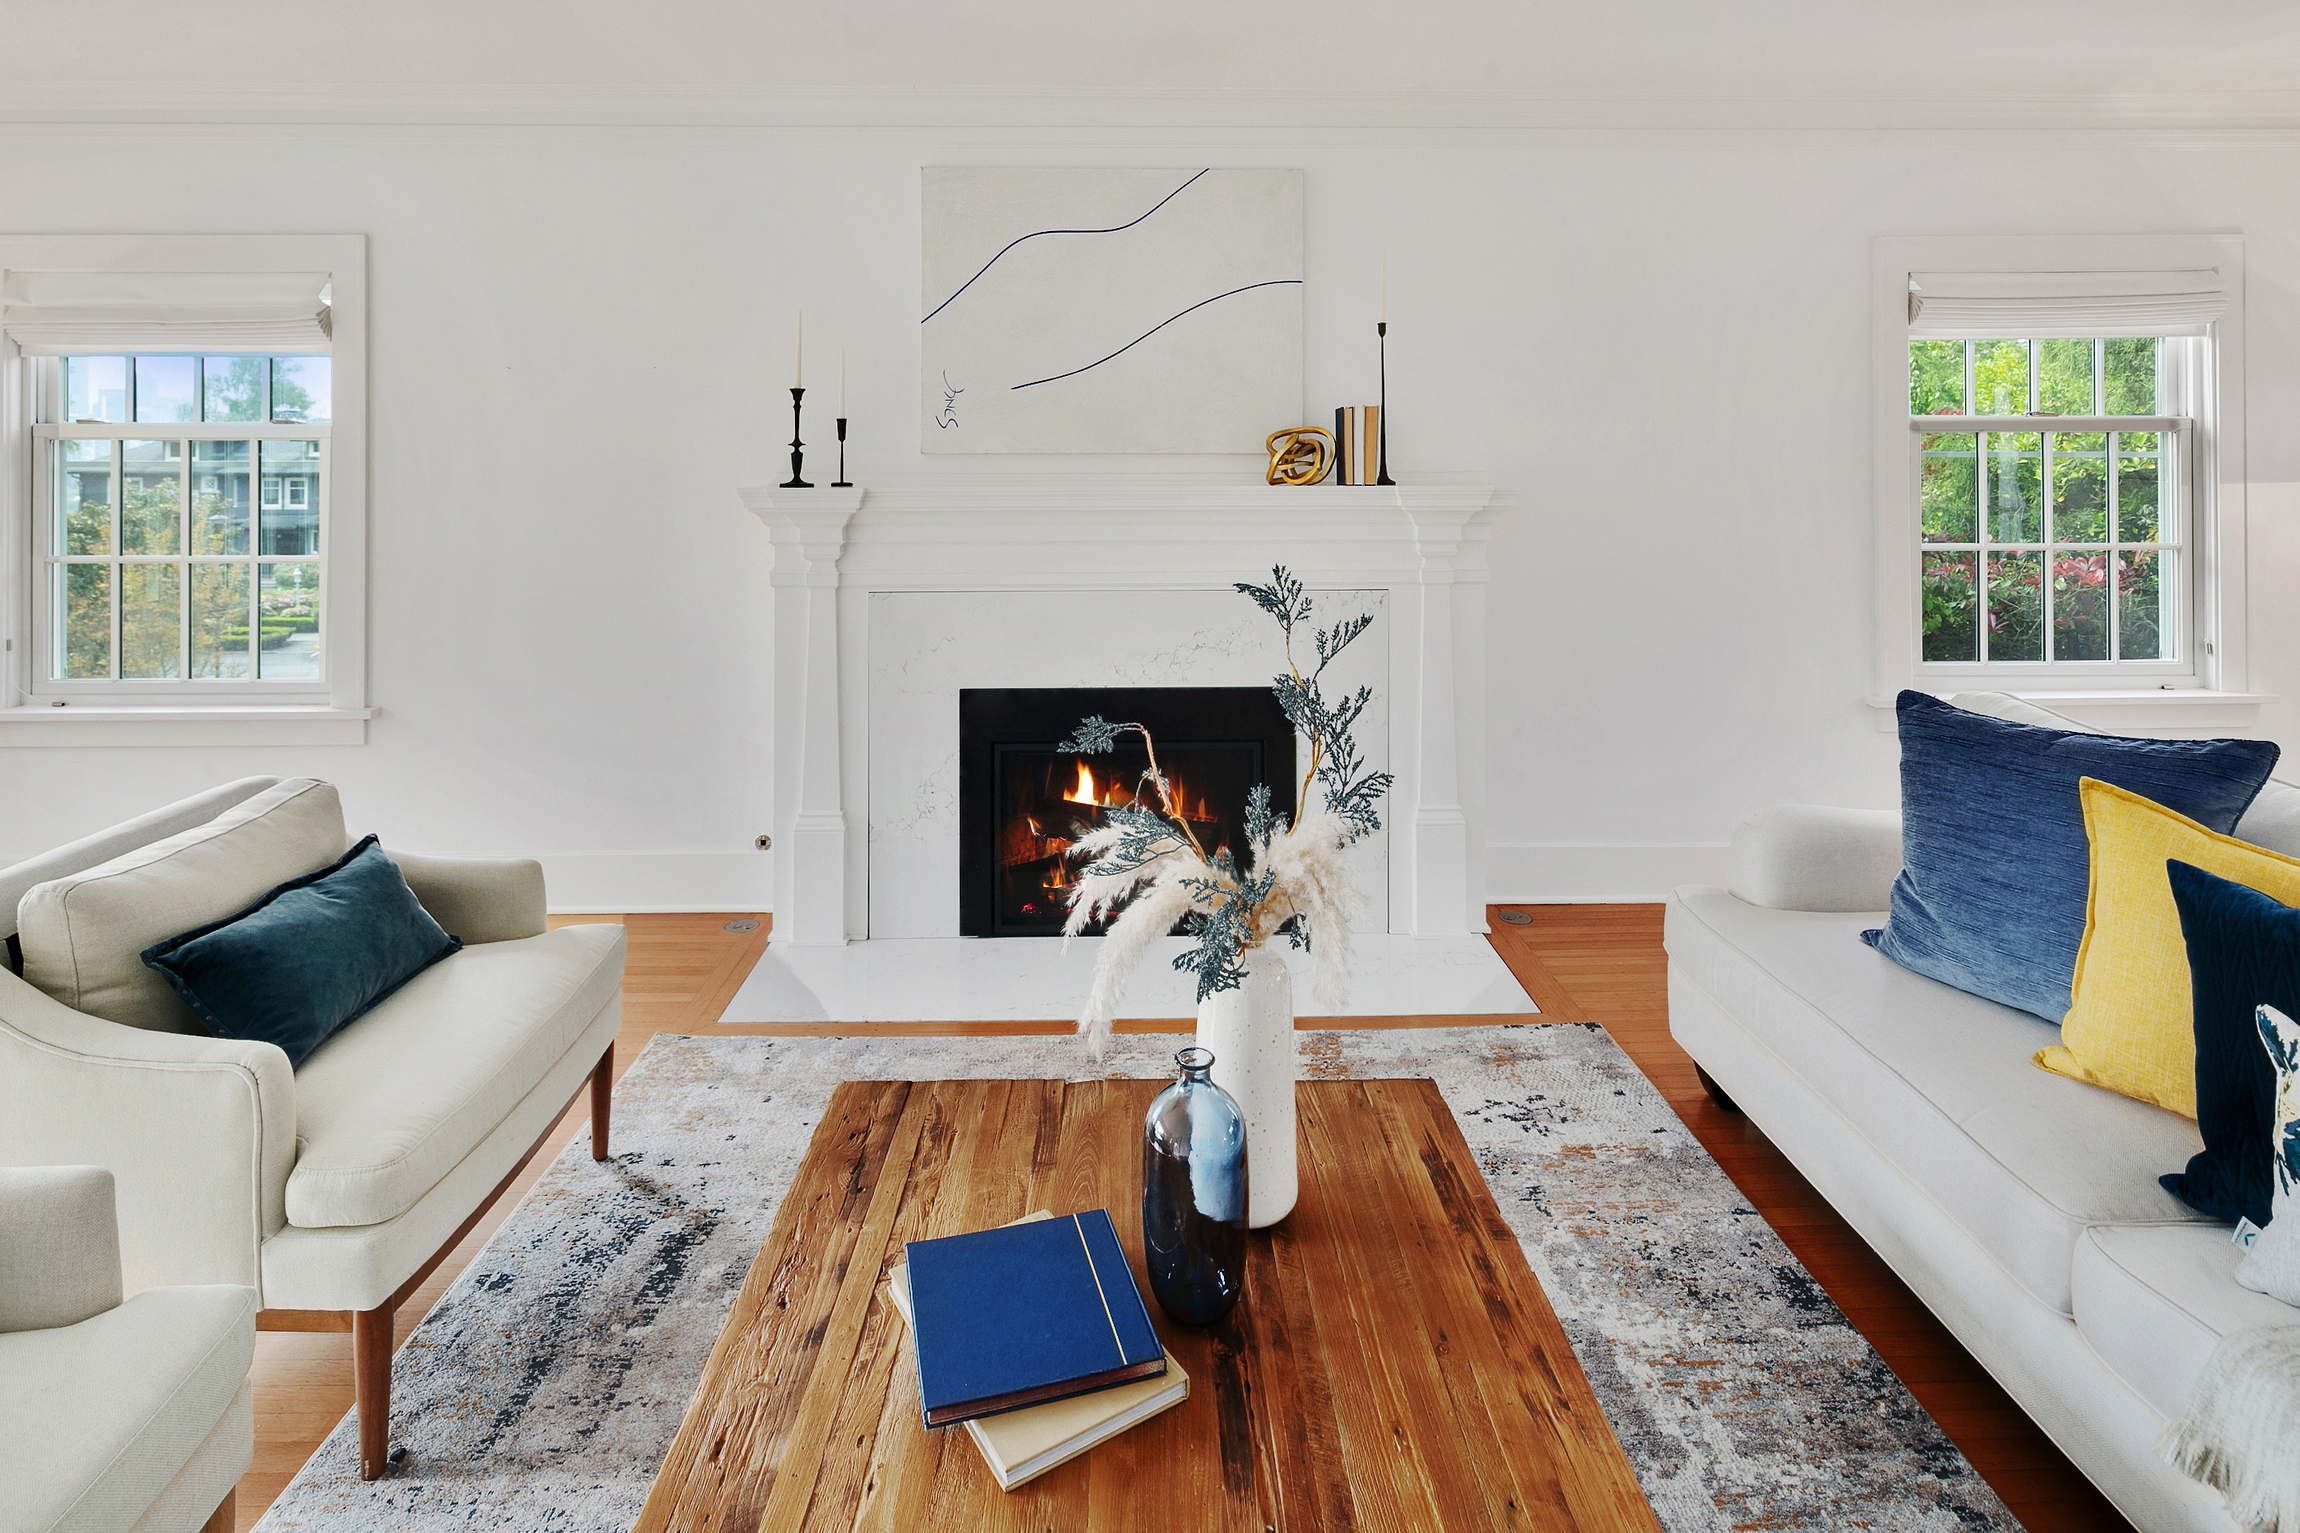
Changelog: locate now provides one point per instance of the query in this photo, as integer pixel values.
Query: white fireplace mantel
(1423, 544)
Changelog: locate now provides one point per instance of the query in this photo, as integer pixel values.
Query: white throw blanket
(2239, 1431)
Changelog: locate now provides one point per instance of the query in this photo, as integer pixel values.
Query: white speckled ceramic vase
(1250, 1033)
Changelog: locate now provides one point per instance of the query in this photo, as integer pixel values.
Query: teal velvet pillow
(310, 956)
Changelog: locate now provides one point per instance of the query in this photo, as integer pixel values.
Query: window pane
(2064, 377)
(2143, 591)
(167, 388)
(2014, 464)
(1950, 486)
(289, 517)
(2000, 377)
(96, 389)
(2016, 607)
(151, 497)
(151, 622)
(1952, 616)
(2079, 487)
(84, 597)
(2080, 606)
(1936, 377)
(2130, 369)
(2136, 490)
(300, 389)
(83, 497)
(287, 601)
(234, 388)
(220, 497)
(220, 622)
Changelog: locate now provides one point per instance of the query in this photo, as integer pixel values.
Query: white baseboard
(650, 883)
(1596, 875)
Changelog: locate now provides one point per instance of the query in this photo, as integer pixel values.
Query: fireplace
(1023, 800)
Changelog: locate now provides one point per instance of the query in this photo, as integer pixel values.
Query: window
(182, 481)
(2052, 529)
(2059, 496)
(169, 579)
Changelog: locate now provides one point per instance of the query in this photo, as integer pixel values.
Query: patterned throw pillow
(2273, 1265)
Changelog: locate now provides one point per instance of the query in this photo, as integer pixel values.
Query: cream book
(1019, 1446)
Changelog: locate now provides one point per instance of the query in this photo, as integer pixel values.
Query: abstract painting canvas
(1110, 311)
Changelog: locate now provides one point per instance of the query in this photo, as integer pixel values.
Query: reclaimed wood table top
(1393, 1363)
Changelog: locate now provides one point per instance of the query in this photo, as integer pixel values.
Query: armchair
(335, 1188)
(115, 1417)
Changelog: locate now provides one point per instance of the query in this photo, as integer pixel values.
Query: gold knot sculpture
(1303, 455)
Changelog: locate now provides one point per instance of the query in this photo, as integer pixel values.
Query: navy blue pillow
(1995, 870)
(308, 957)
(2243, 952)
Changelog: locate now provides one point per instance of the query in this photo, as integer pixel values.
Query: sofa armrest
(59, 1246)
(1806, 857)
(198, 1133)
(480, 899)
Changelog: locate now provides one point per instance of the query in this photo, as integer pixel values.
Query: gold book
(1370, 456)
(1346, 466)
(1019, 1446)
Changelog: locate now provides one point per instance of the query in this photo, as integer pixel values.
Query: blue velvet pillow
(1995, 871)
(2243, 953)
(308, 957)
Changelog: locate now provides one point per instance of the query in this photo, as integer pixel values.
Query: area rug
(543, 1390)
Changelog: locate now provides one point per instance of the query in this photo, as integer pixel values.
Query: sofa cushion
(83, 936)
(2153, 1301)
(98, 1417)
(387, 1108)
(2133, 1025)
(1939, 1082)
(1991, 896)
(2273, 1267)
(312, 955)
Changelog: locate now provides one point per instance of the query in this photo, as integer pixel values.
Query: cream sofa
(2022, 1207)
(115, 1417)
(332, 1189)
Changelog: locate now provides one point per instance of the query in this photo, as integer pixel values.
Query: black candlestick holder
(840, 483)
(1382, 435)
(797, 481)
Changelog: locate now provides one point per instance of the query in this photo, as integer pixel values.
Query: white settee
(334, 1188)
(115, 1417)
(2022, 1207)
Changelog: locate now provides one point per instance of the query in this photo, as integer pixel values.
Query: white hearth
(890, 600)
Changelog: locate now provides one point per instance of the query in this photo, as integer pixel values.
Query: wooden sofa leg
(226, 1515)
(371, 1377)
(1716, 1092)
(602, 1099)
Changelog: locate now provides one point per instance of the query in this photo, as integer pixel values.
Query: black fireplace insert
(1022, 799)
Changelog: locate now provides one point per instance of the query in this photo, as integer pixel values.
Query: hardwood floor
(1596, 963)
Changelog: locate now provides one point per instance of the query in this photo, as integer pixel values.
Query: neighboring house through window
(185, 488)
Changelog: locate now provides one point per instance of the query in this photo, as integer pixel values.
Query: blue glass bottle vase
(1194, 1194)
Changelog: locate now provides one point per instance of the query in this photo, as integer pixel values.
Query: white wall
(1659, 341)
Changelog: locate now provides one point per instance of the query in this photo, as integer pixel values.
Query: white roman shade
(2031, 305)
(52, 313)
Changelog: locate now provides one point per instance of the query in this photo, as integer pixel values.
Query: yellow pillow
(2131, 1026)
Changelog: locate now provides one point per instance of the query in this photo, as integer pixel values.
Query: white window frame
(2204, 688)
(35, 713)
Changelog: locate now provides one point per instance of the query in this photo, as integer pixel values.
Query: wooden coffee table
(1392, 1366)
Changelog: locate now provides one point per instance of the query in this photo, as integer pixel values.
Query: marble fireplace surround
(887, 599)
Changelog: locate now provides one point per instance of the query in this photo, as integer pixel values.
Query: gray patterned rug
(543, 1390)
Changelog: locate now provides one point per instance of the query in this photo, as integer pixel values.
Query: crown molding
(2269, 116)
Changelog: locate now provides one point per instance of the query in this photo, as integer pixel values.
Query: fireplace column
(808, 529)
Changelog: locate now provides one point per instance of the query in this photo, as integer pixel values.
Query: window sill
(2132, 711)
(81, 725)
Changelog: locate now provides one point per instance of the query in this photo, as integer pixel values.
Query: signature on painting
(949, 416)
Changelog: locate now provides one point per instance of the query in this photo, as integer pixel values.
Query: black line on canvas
(1154, 329)
(994, 260)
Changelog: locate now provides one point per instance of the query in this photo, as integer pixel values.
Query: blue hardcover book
(1024, 1314)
